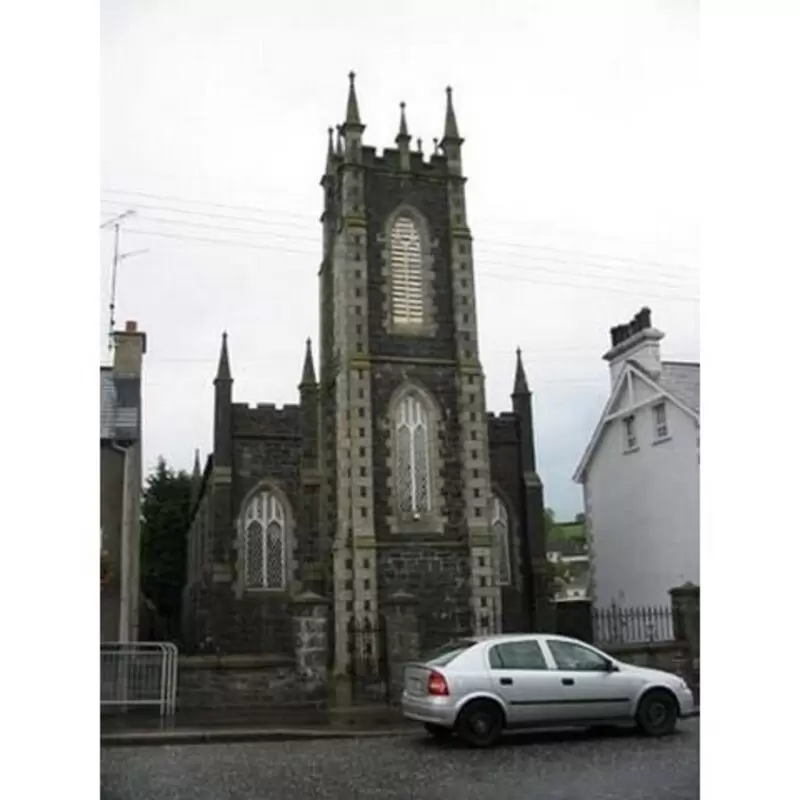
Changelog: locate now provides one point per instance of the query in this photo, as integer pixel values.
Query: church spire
(352, 129)
(196, 468)
(451, 142)
(197, 477)
(309, 377)
(352, 117)
(223, 408)
(450, 125)
(520, 379)
(403, 140)
(329, 165)
(224, 367)
(402, 134)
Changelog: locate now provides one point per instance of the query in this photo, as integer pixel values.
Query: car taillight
(437, 685)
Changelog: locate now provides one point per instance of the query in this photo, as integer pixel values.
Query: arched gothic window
(264, 533)
(500, 541)
(406, 264)
(412, 463)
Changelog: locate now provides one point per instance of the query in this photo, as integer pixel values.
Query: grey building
(388, 475)
(120, 485)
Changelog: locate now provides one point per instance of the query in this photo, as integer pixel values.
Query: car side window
(575, 657)
(517, 655)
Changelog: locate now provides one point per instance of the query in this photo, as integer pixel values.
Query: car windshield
(442, 656)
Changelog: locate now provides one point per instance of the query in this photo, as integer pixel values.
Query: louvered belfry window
(500, 541)
(265, 542)
(411, 461)
(406, 263)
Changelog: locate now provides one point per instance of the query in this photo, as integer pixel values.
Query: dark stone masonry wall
(507, 483)
(383, 194)
(244, 683)
(438, 577)
(417, 561)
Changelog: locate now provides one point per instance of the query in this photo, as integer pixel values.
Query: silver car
(480, 687)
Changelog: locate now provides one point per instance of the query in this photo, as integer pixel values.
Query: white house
(641, 474)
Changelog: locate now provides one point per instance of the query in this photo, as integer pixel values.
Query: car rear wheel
(657, 714)
(480, 724)
(437, 731)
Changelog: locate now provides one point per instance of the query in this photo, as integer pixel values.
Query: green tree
(166, 510)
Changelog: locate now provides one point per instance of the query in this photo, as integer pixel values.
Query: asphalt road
(560, 766)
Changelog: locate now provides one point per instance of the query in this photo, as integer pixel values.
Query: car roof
(504, 637)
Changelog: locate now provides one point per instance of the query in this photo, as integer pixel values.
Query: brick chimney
(636, 341)
(129, 347)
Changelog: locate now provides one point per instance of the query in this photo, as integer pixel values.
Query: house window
(406, 266)
(265, 542)
(500, 541)
(411, 457)
(630, 432)
(660, 420)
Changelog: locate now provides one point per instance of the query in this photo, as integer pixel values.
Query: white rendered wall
(644, 512)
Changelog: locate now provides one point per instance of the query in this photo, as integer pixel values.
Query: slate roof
(108, 403)
(119, 406)
(682, 380)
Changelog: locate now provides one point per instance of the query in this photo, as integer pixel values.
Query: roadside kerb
(157, 738)
(238, 735)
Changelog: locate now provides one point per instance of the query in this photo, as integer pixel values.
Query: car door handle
(506, 681)
(568, 681)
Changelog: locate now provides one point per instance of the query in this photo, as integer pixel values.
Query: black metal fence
(370, 670)
(616, 624)
(642, 624)
(369, 663)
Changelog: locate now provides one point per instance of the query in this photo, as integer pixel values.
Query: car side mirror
(611, 667)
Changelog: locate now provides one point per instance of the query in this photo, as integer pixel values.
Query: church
(388, 475)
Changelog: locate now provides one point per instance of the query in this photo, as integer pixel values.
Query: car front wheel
(657, 714)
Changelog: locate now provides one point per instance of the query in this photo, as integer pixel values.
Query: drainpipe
(124, 590)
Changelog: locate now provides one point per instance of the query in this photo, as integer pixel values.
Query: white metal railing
(139, 674)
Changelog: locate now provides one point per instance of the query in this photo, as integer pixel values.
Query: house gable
(633, 389)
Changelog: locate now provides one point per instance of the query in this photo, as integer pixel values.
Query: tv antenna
(116, 222)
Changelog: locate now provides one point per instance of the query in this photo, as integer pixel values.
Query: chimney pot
(130, 326)
(636, 340)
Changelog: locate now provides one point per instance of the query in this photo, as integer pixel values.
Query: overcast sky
(580, 121)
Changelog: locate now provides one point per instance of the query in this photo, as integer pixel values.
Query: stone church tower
(389, 476)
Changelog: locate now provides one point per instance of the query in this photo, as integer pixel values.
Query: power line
(314, 220)
(175, 198)
(576, 382)
(481, 272)
(215, 215)
(655, 278)
(526, 223)
(529, 354)
(635, 277)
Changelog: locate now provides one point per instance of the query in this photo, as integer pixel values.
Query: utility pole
(116, 222)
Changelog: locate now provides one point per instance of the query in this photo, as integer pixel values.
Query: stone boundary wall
(672, 657)
(245, 682)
